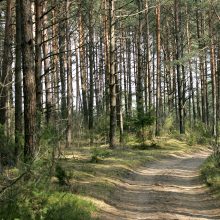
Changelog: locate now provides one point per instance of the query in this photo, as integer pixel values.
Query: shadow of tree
(169, 189)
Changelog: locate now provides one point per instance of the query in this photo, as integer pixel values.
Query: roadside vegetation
(92, 90)
(211, 173)
(70, 183)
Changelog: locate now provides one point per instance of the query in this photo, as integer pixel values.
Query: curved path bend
(167, 189)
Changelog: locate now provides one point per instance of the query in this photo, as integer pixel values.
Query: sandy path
(168, 189)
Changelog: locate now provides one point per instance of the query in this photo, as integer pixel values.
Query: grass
(39, 197)
(46, 205)
(62, 206)
(82, 174)
(211, 173)
(97, 171)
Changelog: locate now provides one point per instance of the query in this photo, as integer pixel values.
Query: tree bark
(38, 57)
(18, 82)
(158, 93)
(112, 84)
(140, 101)
(178, 68)
(62, 59)
(69, 80)
(91, 70)
(83, 69)
(47, 74)
(29, 88)
(213, 78)
(6, 66)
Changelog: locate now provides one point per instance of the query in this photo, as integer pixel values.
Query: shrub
(49, 136)
(98, 154)
(61, 175)
(140, 124)
(144, 146)
(168, 125)
(211, 171)
(200, 134)
(45, 205)
(101, 126)
(62, 206)
(7, 148)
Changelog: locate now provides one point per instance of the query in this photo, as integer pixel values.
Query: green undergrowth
(79, 174)
(42, 193)
(211, 172)
(40, 204)
(97, 171)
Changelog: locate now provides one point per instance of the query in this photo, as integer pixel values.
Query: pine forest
(109, 109)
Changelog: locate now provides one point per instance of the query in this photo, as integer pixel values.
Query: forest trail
(167, 189)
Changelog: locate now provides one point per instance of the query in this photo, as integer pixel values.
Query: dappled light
(169, 189)
(109, 109)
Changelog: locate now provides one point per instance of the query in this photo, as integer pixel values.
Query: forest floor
(162, 182)
(167, 189)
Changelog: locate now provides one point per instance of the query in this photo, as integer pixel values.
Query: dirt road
(167, 189)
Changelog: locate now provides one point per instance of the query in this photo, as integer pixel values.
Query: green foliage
(169, 126)
(15, 208)
(199, 134)
(39, 198)
(6, 149)
(143, 121)
(139, 125)
(94, 159)
(147, 146)
(45, 205)
(98, 154)
(211, 171)
(61, 175)
(101, 126)
(49, 136)
(62, 206)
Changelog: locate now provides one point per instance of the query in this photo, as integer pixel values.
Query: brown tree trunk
(18, 82)
(148, 71)
(55, 63)
(62, 58)
(6, 66)
(47, 74)
(139, 90)
(29, 81)
(83, 69)
(77, 78)
(112, 84)
(199, 25)
(107, 55)
(38, 55)
(91, 70)
(158, 98)
(213, 77)
(128, 46)
(69, 79)
(178, 68)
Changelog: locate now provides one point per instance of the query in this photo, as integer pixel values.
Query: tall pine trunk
(158, 83)
(18, 82)
(112, 84)
(6, 66)
(29, 87)
(69, 79)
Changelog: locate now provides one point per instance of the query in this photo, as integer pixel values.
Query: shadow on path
(168, 189)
